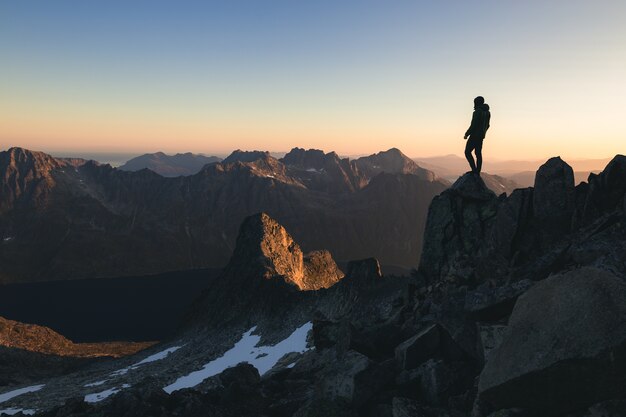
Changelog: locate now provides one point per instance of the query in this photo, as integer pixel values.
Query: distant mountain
(60, 221)
(454, 165)
(170, 165)
(527, 178)
(499, 184)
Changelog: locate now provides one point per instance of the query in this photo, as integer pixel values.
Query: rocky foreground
(518, 308)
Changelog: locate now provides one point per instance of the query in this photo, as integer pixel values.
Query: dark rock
(511, 229)
(419, 348)
(459, 221)
(553, 200)
(243, 374)
(341, 380)
(437, 382)
(405, 407)
(492, 304)
(491, 337)
(565, 347)
(331, 334)
(364, 269)
(326, 408)
(610, 408)
(511, 412)
(606, 190)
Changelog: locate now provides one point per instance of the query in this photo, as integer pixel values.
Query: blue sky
(350, 76)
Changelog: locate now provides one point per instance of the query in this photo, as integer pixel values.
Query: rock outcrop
(265, 249)
(553, 201)
(458, 224)
(565, 347)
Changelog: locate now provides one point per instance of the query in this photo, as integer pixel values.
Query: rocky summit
(510, 313)
(264, 248)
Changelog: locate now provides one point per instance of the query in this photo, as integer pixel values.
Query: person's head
(479, 101)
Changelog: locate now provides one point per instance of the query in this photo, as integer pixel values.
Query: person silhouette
(476, 133)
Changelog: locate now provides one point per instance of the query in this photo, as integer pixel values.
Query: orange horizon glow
(221, 78)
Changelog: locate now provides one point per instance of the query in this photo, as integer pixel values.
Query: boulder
(491, 337)
(565, 347)
(491, 304)
(243, 374)
(419, 348)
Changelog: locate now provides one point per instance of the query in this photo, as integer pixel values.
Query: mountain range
(517, 308)
(65, 219)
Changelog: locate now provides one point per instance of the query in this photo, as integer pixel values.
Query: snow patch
(246, 350)
(152, 358)
(99, 396)
(313, 170)
(95, 384)
(158, 356)
(13, 411)
(12, 394)
(8, 239)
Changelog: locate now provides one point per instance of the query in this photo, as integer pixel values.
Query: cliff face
(265, 249)
(470, 231)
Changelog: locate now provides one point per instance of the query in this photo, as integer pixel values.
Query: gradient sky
(351, 76)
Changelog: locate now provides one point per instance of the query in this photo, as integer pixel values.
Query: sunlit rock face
(265, 249)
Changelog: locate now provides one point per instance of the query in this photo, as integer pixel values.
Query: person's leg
(478, 149)
(469, 147)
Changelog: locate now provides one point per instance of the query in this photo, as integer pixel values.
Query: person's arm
(473, 124)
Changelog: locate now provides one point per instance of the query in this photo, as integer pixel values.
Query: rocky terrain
(60, 220)
(169, 165)
(517, 308)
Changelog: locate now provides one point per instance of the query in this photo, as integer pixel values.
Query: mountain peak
(265, 249)
(392, 161)
(246, 156)
(472, 186)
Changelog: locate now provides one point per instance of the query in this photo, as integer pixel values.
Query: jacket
(480, 122)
